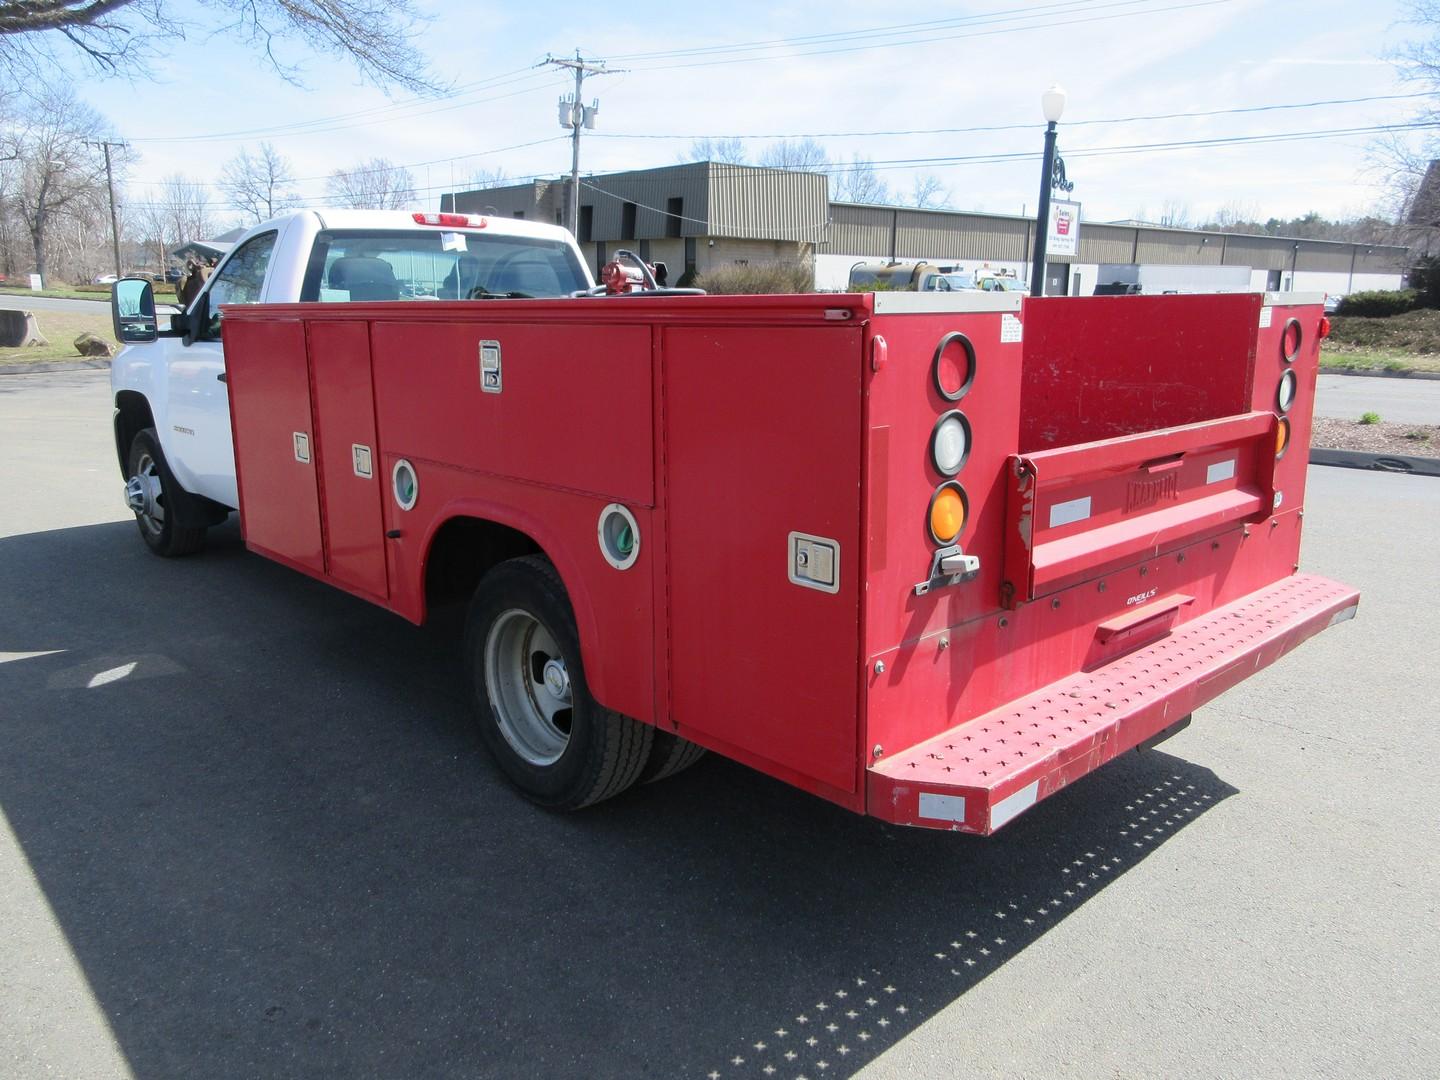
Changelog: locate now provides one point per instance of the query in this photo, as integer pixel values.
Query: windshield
(437, 264)
(958, 281)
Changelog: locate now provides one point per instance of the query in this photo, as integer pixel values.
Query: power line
(900, 29)
(290, 131)
(1050, 23)
(1030, 126)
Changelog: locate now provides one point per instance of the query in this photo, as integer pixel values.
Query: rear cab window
(357, 265)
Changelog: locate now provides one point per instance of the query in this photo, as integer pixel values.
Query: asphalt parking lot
(246, 830)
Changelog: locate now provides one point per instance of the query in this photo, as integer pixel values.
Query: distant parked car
(1332, 303)
(172, 275)
(105, 279)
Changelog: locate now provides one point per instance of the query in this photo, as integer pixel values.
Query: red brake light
(451, 221)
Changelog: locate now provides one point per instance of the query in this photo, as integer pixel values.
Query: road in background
(20, 302)
(248, 830)
(1406, 401)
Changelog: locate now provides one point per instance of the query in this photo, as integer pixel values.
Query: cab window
(356, 265)
(240, 278)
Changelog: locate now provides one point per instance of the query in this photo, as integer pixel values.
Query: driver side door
(199, 404)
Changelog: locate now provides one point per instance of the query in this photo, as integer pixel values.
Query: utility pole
(576, 116)
(114, 220)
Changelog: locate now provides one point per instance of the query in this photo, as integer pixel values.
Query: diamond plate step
(980, 774)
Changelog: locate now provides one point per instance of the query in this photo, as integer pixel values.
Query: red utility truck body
(1128, 540)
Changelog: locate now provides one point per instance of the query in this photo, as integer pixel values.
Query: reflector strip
(947, 807)
(1066, 512)
(1012, 805)
(1221, 470)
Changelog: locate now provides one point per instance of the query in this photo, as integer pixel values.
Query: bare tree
(255, 183)
(927, 192)
(729, 150)
(376, 184)
(858, 182)
(1236, 216)
(121, 36)
(1174, 214)
(58, 172)
(489, 178)
(805, 154)
(184, 207)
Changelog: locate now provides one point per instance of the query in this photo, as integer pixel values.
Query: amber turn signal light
(948, 510)
(1282, 436)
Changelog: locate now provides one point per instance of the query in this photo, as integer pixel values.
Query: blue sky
(1116, 59)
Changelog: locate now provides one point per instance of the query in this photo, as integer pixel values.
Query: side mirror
(132, 310)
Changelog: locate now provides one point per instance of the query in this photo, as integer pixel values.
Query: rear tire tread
(670, 754)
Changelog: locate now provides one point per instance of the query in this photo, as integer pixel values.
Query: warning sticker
(1266, 314)
(1011, 329)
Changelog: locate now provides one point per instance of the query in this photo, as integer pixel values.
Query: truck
(910, 277)
(930, 556)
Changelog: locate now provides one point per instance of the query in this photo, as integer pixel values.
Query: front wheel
(552, 740)
(152, 492)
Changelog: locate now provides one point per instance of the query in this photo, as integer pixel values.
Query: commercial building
(699, 216)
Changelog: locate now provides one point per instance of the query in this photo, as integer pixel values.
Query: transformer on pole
(576, 116)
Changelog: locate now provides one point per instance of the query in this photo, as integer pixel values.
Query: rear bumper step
(982, 773)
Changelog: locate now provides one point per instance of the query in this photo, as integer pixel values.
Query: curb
(1381, 373)
(1362, 459)
(40, 367)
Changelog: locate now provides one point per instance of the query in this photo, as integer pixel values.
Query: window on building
(602, 256)
(645, 250)
(519, 214)
(674, 215)
(627, 221)
(587, 223)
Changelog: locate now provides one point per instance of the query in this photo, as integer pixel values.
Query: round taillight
(950, 443)
(1290, 339)
(949, 509)
(1282, 437)
(1285, 395)
(954, 367)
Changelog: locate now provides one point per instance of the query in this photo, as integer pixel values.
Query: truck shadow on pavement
(261, 816)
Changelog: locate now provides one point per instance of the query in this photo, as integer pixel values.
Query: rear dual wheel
(550, 738)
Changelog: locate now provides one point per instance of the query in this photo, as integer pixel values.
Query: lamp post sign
(1064, 234)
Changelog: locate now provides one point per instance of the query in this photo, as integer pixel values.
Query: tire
(151, 490)
(549, 737)
(669, 754)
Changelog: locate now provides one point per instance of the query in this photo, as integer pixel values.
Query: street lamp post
(1052, 103)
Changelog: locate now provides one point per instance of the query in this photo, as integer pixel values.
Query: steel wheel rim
(529, 687)
(142, 492)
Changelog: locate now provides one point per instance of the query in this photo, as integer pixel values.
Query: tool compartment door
(275, 454)
(350, 464)
(762, 441)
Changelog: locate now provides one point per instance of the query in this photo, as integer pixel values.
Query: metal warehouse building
(700, 216)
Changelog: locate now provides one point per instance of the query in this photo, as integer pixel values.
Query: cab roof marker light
(450, 221)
